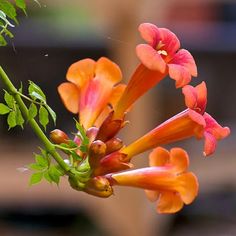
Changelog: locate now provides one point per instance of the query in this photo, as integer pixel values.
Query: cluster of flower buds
(94, 92)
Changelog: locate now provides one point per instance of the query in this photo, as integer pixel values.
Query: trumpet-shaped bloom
(90, 88)
(165, 181)
(194, 121)
(162, 53)
(160, 57)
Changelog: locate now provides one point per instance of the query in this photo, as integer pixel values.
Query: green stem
(37, 130)
(29, 99)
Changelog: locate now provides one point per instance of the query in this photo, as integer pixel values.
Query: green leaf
(21, 4)
(52, 113)
(33, 111)
(4, 109)
(35, 96)
(47, 177)
(35, 178)
(40, 160)
(35, 166)
(54, 174)
(19, 118)
(43, 116)
(36, 91)
(9, 99)
(3, 42)
(11, 119)
(9, 9)
(75, 156)
(82, 133)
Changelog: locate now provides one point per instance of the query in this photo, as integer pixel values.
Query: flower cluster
(95, 93)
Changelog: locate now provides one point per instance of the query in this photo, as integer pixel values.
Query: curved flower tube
(166, 181)
(194, 121)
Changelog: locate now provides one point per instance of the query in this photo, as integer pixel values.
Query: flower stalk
(50, 147)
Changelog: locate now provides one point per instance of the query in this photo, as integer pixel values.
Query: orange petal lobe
(152, 195)
(159, 157)
(70, 96)
(81, 72)
(169, 202)
(187, 187)
(179, 159)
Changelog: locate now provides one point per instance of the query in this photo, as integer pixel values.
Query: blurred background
(61, 32)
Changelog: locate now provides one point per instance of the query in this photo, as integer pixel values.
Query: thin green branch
(50, 148)
(29, 99)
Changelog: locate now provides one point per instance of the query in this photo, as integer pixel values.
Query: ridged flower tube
(166, 181)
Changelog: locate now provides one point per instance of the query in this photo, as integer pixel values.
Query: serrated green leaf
(11, 119)
(35, 178)
(35, 166)
(9, 9)
(35, 88)
(52, 113)
(3, 42)
(33, 111)
(54, 174)
(43, 116)
(4, 109)
(19, 118)
(40, 160)
(47, 177)
(21, 4)
(9, 99)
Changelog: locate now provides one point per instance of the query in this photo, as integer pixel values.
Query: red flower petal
(180, 74)
(184, 58)
(150, 58)
(196, 97)
(170, 41)
(150, 33)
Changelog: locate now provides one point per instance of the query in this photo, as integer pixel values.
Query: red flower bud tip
(113, 145)
(91, 133)
(57, 136)
(109, 128)
(99, 186)
(77, 140)
(97, 150)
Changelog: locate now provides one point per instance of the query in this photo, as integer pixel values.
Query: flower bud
(113, 145)
(109, 128)
(98, 186)
(57, 136)
(91, 133)
(97, 150)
